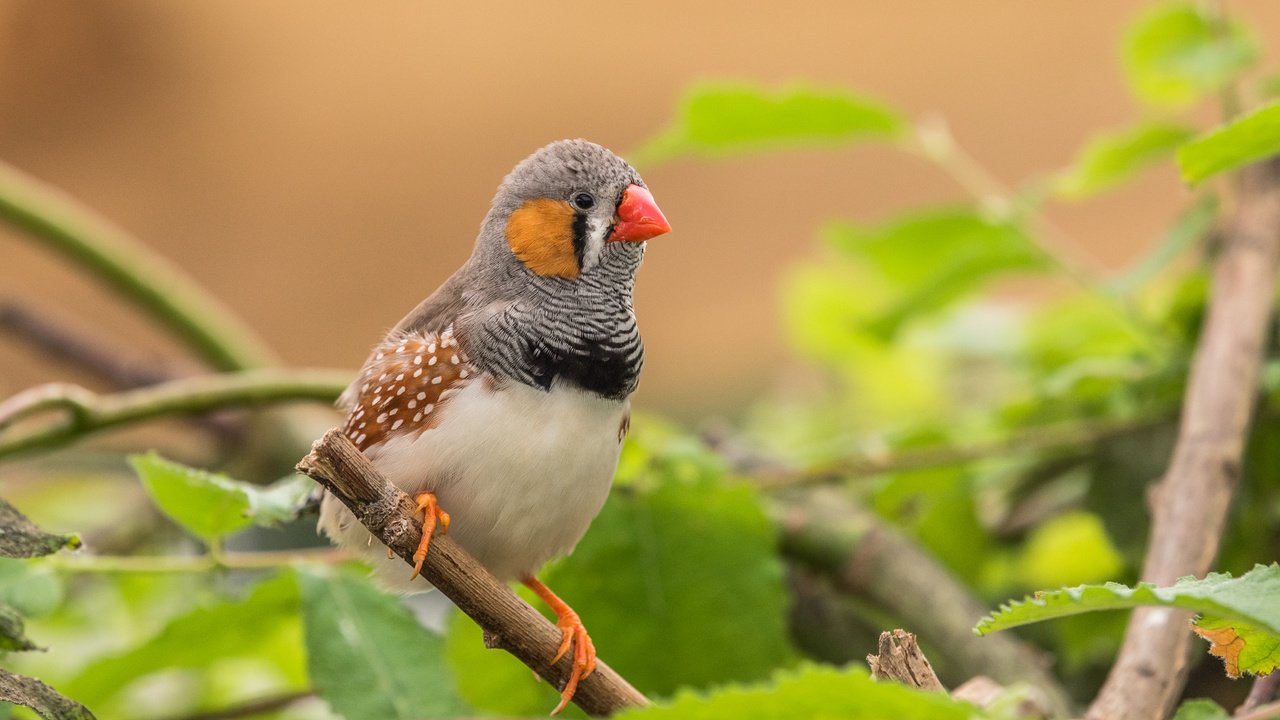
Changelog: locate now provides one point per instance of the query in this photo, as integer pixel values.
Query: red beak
(638, 217)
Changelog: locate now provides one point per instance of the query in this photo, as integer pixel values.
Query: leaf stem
(108, 252)
(86, 412)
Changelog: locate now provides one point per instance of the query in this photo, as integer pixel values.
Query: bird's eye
(584, 201)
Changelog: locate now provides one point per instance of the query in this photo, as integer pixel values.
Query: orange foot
(431, 513)
(574, 634)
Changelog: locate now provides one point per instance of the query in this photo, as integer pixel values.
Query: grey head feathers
(541, 330)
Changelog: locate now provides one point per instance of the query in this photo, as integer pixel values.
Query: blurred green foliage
(1245, 140)
(1013, 440)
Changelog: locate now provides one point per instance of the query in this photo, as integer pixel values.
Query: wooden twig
(508, 622)
(1189, 505)
(252, 708)
(79, 412)
(59, 341)
(1270, 711)
(900, 658)
(1265, 689)
(1058, 438)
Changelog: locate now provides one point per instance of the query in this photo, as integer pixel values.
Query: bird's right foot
(432, 516)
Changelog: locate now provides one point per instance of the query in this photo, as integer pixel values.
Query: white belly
(521, 472)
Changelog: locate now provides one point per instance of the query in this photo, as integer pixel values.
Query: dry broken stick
(1189, 505)
(509, 622)
(899, 658)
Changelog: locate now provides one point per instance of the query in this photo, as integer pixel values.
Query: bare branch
(63, 343)
(1265, 689)
(508, 621)
(111, 254)
(1189, 505)
(84, 412)
(1043, 439)
(252, 708)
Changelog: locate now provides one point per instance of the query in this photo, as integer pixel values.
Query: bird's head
(568, 210)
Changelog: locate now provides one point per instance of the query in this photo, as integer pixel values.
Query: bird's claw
(432, 517)
(574, 635)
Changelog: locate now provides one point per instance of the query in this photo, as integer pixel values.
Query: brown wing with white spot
(404, 385)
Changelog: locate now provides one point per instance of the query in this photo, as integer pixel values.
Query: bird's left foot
(573, 635)
(432, 516)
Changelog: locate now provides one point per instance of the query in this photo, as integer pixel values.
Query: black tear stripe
(579, 237)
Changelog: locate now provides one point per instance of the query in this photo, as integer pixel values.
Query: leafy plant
(1239, 616)
(1009, 440)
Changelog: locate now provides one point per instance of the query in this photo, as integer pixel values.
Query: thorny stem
(110, 253)
(86, 412)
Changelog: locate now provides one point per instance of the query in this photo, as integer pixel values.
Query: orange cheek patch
(540, 234)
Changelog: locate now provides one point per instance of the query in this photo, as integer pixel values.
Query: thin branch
(60, 342)
(1265, 689)
(1037, 439)
(252, 708)
(84, 412)
(1270, 711)
(935, 143)
(105, 250)
(206, 562)
(865, 557)
(1190, 504)
(508, 621)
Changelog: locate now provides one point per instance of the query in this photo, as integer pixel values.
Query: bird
(500, 403)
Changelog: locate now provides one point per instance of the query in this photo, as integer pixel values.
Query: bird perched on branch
(500, 402)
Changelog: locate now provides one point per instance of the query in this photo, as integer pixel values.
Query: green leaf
(1069, 549)
(20, 538)
(933, 258)
(1249, 597)
(1241, 644)
(211, 505)
(208, 505)
(1200, 709)
(1111, 158)
(266, 618)
(491, 680)
(366, 654)
(697, 559)
(1192, 225)
(679, 564)
(46, 701)
(13, 631)
(32, 590)
(812, 692)
(1245, 140)
(278, 502)
(1176, 53)
(724, 118)
(1245, 606)
(935, 505)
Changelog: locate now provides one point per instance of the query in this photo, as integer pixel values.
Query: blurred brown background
(323, 166)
